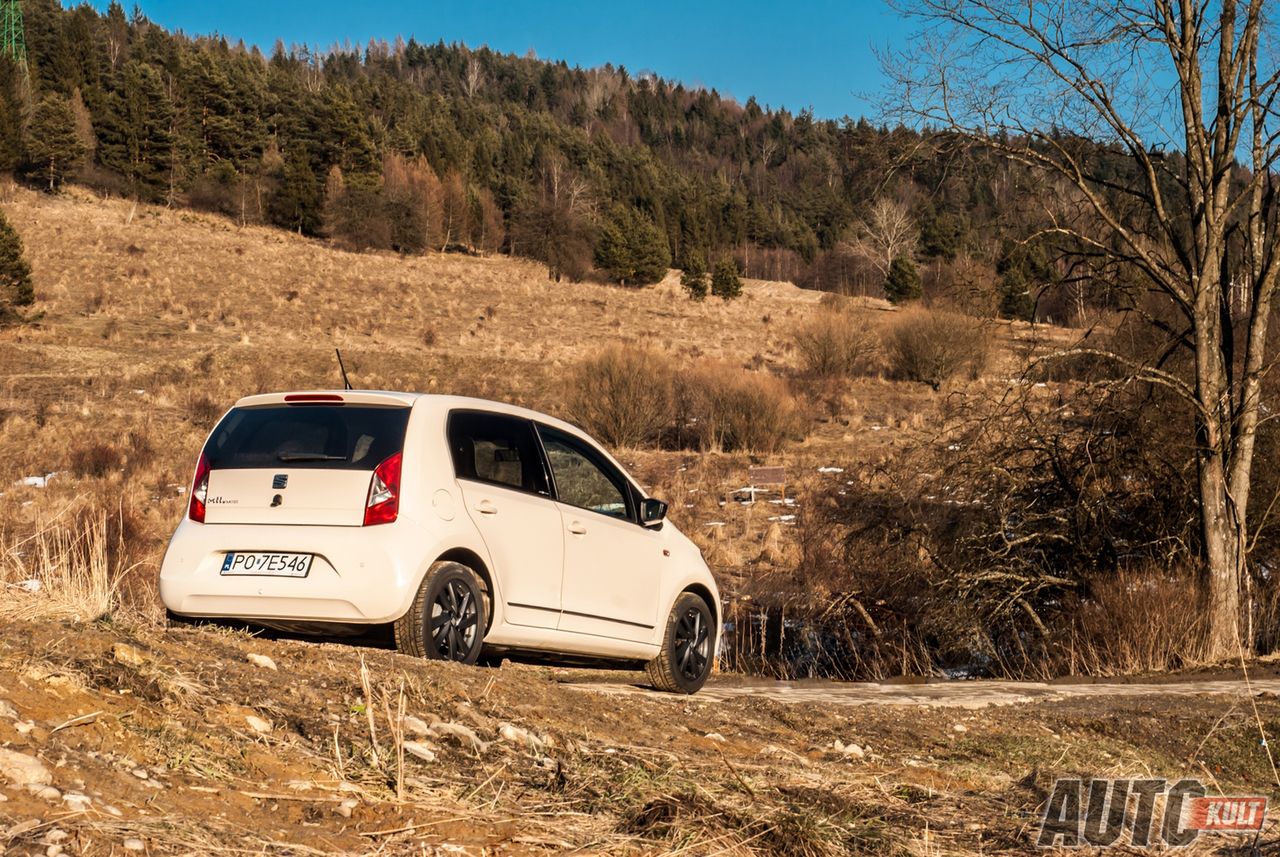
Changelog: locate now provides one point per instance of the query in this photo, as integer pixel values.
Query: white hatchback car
(466, 524)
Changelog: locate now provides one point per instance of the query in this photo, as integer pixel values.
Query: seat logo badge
(281, 480)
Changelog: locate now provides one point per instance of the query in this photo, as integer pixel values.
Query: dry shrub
(631, 397)
(62, 571)
(202, 410)
(96, 460)
(933, 347)
(1143, 620)
(835, 344)
(728, 408)
(623, 396)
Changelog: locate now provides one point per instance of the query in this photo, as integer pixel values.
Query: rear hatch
(301, 463)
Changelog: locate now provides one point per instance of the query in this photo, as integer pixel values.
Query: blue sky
(806, 53)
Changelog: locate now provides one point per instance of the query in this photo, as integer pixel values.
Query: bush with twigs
(623, 396)
(933, 347)
(629, 397)
(729, 409)
(834, 344)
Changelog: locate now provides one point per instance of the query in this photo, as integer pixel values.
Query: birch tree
(1184, 94)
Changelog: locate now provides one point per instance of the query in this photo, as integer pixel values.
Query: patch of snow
(37, 481)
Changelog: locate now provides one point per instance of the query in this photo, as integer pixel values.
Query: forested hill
(415, 146)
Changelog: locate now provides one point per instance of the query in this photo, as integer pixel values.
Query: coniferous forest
(416, 146)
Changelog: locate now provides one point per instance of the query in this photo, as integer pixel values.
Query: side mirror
(652, 511)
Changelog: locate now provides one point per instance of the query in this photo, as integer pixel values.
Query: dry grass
(62, 571)
(1137, 621)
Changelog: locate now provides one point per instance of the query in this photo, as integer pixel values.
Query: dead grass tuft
(62, 571)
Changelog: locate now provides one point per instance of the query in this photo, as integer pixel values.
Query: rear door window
(326, 437)
(498, 449)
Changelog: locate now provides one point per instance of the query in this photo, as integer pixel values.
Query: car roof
(391, 397)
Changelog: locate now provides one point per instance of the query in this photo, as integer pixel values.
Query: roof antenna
(346, 385)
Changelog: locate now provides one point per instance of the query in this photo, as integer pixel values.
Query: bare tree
(475, 76)
(1055, 85)
(887, 233)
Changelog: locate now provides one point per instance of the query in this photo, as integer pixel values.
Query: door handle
(577, 529)
(486, 507)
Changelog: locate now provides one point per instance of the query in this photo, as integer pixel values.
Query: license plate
(267, 564)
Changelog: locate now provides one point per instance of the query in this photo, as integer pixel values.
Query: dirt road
(946, 694)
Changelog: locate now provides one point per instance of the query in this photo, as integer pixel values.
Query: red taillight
(383, 504)
(199, 490)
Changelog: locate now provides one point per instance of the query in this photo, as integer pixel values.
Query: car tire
(448, 618)
(687, 655)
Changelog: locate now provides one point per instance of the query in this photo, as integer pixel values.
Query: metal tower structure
(13, 40)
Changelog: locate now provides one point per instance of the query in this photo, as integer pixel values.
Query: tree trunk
(1224, 561)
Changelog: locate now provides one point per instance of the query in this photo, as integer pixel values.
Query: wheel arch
(473, 561)
(704, 593)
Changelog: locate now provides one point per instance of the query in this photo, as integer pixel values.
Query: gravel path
(957, 694)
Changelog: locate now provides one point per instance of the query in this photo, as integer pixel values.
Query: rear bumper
(359, 575)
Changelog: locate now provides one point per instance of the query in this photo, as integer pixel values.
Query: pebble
(516, 735)
(419, 750)
(852, 750)
(24, 727)
(464, 734)
(257, 724)
(140, 773)
(415, 726)
(715, 736)
(21, 769)
(133, 845)
(260, 661)
(7, 710)
(77, 802)
(128, 655)
(959, 727)
(344, 809)
(48, 793)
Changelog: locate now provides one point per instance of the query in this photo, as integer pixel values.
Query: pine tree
(136, 131)
(15, 273)
(903, 282)
(725, 282)
(694, 277)
(631, 249)
(11, 108)
(1023, 269)
(297, 202)
(53, 146)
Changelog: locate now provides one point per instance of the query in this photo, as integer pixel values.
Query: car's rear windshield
(326, 437)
